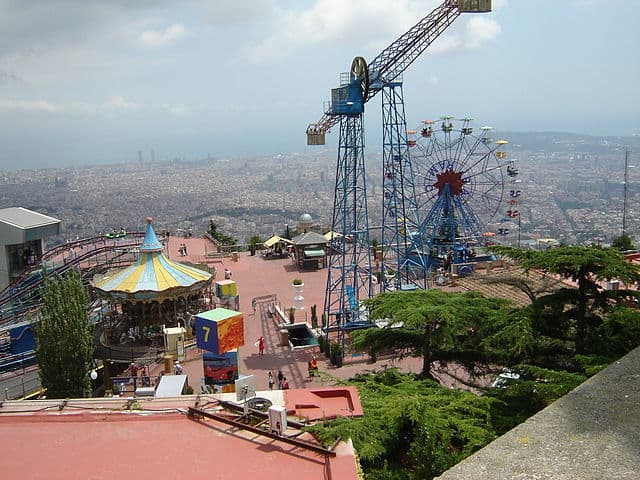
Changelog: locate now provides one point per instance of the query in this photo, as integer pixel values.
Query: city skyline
(98, 82)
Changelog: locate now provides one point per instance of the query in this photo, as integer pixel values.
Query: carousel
(152, 294)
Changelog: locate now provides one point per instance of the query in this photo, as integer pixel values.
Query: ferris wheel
(461, 181)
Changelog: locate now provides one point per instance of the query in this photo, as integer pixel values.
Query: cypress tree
(64, 341)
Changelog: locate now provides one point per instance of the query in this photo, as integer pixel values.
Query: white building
(22, 234)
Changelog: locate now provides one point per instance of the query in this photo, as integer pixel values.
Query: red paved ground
(256, 276)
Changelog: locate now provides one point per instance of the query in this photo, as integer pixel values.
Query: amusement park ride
(433, 206)
(461, 181)
(20, 302)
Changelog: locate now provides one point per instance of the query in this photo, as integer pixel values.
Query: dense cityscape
(572, 191)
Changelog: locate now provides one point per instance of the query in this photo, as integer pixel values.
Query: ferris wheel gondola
(460, 183)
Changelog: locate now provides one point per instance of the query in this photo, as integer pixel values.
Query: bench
(215, 254)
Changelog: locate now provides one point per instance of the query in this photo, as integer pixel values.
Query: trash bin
(168, 363)
(234, 256)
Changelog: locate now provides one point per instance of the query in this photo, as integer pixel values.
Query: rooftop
(23, 218)
(103, 439)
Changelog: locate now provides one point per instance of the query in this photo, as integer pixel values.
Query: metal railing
(22, 387)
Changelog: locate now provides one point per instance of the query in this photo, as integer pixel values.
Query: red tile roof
(319, 403)
(80, 442)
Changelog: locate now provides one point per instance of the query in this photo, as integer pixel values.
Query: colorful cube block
(225, 289)
(219, 330)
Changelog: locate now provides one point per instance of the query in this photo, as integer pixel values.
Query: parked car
(505, 378)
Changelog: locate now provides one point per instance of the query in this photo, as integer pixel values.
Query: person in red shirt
(285, 384)
(261, 345)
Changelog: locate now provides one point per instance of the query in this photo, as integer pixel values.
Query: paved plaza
(256, 276)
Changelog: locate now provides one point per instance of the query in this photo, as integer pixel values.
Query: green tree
(254, 241)
(219, 237)
(619, 333)
(587, 266)
(64, 340)
(433, 324)
(412, 428)
(623, 243)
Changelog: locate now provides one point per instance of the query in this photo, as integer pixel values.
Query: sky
(97, 81)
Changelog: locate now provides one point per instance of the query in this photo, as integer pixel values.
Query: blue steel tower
(349, 278)
(349, 274)
(404, 265)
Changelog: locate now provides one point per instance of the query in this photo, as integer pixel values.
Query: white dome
(305, 217)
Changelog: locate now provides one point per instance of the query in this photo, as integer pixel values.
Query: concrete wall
(592, 433)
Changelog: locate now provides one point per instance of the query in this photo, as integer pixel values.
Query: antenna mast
(626, 188)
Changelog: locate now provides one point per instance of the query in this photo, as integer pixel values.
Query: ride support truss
(349, 267)
(403, 263)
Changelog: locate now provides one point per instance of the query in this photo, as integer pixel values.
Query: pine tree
(588, 267)
(436, 325)
(64, 340)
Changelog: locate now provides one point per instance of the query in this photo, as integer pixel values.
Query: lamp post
(93, 376)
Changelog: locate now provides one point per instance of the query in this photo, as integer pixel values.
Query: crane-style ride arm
(394, 60)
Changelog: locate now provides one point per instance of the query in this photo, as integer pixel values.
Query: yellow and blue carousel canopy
(153, 276)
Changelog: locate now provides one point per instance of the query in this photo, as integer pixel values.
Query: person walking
(177, 368)
(270, 381)
(261, 346)
(313, 367)
(285, 384)
(280, 378)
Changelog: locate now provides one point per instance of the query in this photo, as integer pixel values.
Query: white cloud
(27, 105)
(498, 4)
(371, 23)
(480, 30)
(157, 38)
(119, 103)
(114, 105)
(227, 13)
(477, 31)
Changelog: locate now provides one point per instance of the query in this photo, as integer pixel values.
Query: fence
(130, 384)
(19, 385)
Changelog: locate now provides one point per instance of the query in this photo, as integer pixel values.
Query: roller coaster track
(22, 296)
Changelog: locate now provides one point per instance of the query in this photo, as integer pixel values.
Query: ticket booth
(174, 342)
